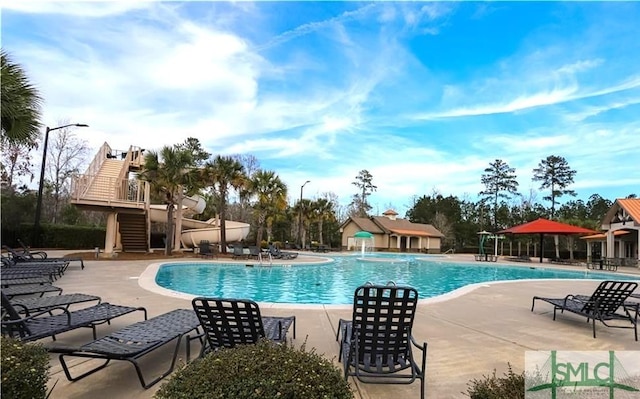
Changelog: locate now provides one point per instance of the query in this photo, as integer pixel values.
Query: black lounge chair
(607, 303)
(30, 305)
(132, 343)
(42, 324)
(230, 322)
(377, 344)
(255, 252)
(30, 289)
(206, 250)
(238, 252)
(27, 256)
(277, 254)
(9, 282)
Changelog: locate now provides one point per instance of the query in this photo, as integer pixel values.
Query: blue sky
(422, 95)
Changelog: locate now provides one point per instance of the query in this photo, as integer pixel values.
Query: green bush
(264, 370)
(511, 386)
(25, 369)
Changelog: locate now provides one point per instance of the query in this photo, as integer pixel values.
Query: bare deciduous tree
(65, 156)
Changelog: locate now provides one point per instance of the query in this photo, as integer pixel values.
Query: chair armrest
(35, 315)
(422, 347)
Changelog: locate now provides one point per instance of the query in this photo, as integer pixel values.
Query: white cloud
(84, 8)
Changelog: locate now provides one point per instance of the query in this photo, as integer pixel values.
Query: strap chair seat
(30, 289)
(132, 343)
(43, 324)
(31, 305)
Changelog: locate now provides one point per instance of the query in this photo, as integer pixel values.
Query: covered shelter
(544, 226)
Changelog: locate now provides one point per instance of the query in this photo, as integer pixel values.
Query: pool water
(335, 282)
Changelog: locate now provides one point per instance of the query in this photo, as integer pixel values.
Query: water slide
(193, 231)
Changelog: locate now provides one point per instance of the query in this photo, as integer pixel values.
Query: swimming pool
(334, 282)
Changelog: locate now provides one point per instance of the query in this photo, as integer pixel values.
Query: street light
(300, 216)
(36, 223)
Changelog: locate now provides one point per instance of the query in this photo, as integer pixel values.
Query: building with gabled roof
(621, 237)
(391, 233)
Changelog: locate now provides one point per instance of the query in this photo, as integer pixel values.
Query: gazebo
(544, 226)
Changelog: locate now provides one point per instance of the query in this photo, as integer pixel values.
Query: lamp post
(36, 223)
(300, 216)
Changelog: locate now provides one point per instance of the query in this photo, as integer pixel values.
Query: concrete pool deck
(468, 335)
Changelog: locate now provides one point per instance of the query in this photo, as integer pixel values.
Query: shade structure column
(610, 244)
(111, 233)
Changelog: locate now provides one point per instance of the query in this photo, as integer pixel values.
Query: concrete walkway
(468, 336)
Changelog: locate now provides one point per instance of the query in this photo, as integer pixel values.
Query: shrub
(511, 386)
(264, 370)
(25, 369)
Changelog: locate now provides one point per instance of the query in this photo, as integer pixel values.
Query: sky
(423, 95)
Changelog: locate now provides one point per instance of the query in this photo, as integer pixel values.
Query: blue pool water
(334, 283)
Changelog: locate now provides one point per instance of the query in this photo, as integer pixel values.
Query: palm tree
(271, 198)
(168, 171)
(305, 209)
(20, 114)
(223, 174)
(323, 210)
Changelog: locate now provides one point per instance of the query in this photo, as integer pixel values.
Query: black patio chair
(206, 250)
(607, 303)
(30, 289)
(230, 322)
(132, 343)
(377, 345)
(30, 305)
(13, 281)
(238, 252)
(26, 255)
(42, 324)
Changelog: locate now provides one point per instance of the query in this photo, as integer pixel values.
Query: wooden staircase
(102, 186)
(133, 232)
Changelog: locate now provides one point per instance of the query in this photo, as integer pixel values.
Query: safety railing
(109, 189)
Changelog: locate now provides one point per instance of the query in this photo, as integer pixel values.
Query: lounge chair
(206, 250)
(238, 252)
(230, 322)
(277, 254)
(377, 344)
(132, 343)
(255, 252)
(30, 305)
(10, 282)
(607, 303)
(30, 289)
(37, 325)
(26, 255)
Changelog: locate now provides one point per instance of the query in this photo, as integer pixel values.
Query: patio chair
(30, 305)
(255, 252)
(30, 289)
(35, 326)
(230, 322)
(206, 250)
(607, 303)
(26, 255)
(377, 345)
(133, 342)
(13, 281)
(238, 252)
(277, 254)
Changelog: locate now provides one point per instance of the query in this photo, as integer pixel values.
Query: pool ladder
(270, 258)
